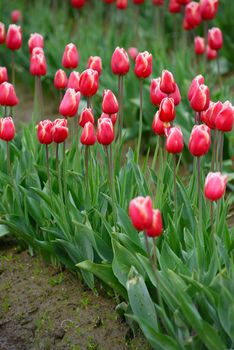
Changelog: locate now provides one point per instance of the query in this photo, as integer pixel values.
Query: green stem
(199, 196)
(48, 170)
(13, 68)
(58, 171)
(8, 159)
(174, 186)
(88, 101)
(64, 172)
(111, 182)
(155, 153)
(221, 151)
(5, 111)
(211, 217)
(214, 151)
(86, 156)
(120, 98)
(140, 123)
(205, 34)
(219, 74)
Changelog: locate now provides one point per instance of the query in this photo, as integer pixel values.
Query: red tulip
(37, 51)
(60, 79)
(3, 75)
(215, 186)
(225, 117)
(215, 39)
(156, 94)
(16, 16)
(209, 116)
(74, 81)
(121, 4)
(201, 98)
(109, 102)
(105, 131)
(186, 24)
(174, 6)
(158, 126)
(35, 40)
(14, 37)
(70, 58)
(133, 52)
(59, 130)
(211, 54)
(7, 129)
(44, 132)
(77, 4)
(174, 140)
(143, 65)
(176, 96)
(199, 142)
(95, 63)
(156, 227)
(193, 14)
(89, 82)
(138, 2)
(112, 117)
(2, 33)
(7, 95)
(70, 103)
(183, 2)
(167, 110)
(199, 79)
(209, 8)
(86, 116)
(141, 213)
(88, 137)
(167, 83)
(199, 45)
(120, 62)
(38, 64)
(157, 2)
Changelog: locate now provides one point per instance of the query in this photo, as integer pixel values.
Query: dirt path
(42, 308)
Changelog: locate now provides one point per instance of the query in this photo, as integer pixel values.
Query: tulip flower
(7, 133)
(70, 103)
(167, 82)
(141, 213)
(77, 4)
(158, 126)
(156, 94)
(121, 4)
(209, 116)
(211, 54)
(215, 186)
(193, 14)
(59, 130)
(74, 81)
(174, 6)
(209, 9)
(95, 63)
(225, 117)
(7, 95)
(14, 37)
(16, 16)
(143, 65)
(35, 40)
(215, 39)
(105, 131)
(3, 75)
(86, 116)
(109, 102)
(199, 142)
(89, 83)
(88, 137)
(112, 117)
(156, 227)
(70, 58)
(167, 110)
(200, 98)
(38, 64)
(198, 80)
(2, 33)
(174, 140)
(44, 132)
(133, 52)
(199, 45)
(60, 79)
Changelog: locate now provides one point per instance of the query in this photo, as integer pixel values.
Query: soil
(44, 308)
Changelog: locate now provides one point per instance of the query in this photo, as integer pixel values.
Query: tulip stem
(221, 150)
(156, 153)
(60, 95)
(48, 170)
(140, 123)
(8, 159)
(214, 151)
(111, 181)
(13, 68)
(5, 111)
(64, 172)
(120, 95)
(199, 195)
(88, 101)
(205, 34)
(211, 217)
(58, 171)
(218, 70)
(174, 184)
(86, 156)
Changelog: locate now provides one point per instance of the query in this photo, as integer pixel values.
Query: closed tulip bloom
(105, 131)
(209, 8)
(38, 64)
(174, 6)
(186, 24)
(44, 132)
(199, 45)
(109, 102)
(16, 16)
(86, 116)
(158, 126)
(70, 58)
(70, 103)
(211, 54)
(156, 95)
(133, 52)
(112, 117)
(167, 83)
(77, 4)
(141, 213)
(209, 116)
(193, 14)
(176, 96)
(167, 110)
(215, 186)
(156, 227)
(14, 37)
(35, 40)
(37, 51)
(60, 130)
(225, 118)
(88, 136)
(143, 65)
(7, 95)
(2, 33)
(95, 63)
(74, 81)
(121, 4)
(198, 80)
(183, 2)
(199, 142)
(157, 2)
(174, 140)
(215, 39)
(89, 82)
(201, 98)
(7, 129)
(3, 75)
(120, 62)
(60, 79)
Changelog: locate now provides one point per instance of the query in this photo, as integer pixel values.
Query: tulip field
(117, 162)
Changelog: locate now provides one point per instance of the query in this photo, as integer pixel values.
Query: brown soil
(42, 308)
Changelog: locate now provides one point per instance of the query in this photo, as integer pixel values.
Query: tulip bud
(211, 54)
(95, 63)
(157, 2)
(109, 102)
(167, 110)
(174, 6)
(3, 75)
(208, 8)
(199, 45)
(70, 58)
(193, 14)
(70, 103)
(174, 140)
(225, 117)
(133, 52)
(186, 24)
(77, 4)
(38, 64)
(201, 98)
(215, 186)
(2, 33)
(7, 95)
(120, 62)
(158, 125)
(86, 116)
(209, 116)
(59, 130)
(167, 82)
(112, 117)
(121, 4)
(74, 81)
(60, 79)
(105, 131)
(156, 227)
(141, 213)
(199, 79)
(156, 94)
(14, 37)
(35, 40)
(88, 137)
(199, 142)
(7, 129)
(215, 39)
(89, 82)
(16, 16)
(143, 65)
(44, 132)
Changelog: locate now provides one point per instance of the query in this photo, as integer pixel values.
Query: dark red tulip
(211, 54)
(121, 4)
(16, 16)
